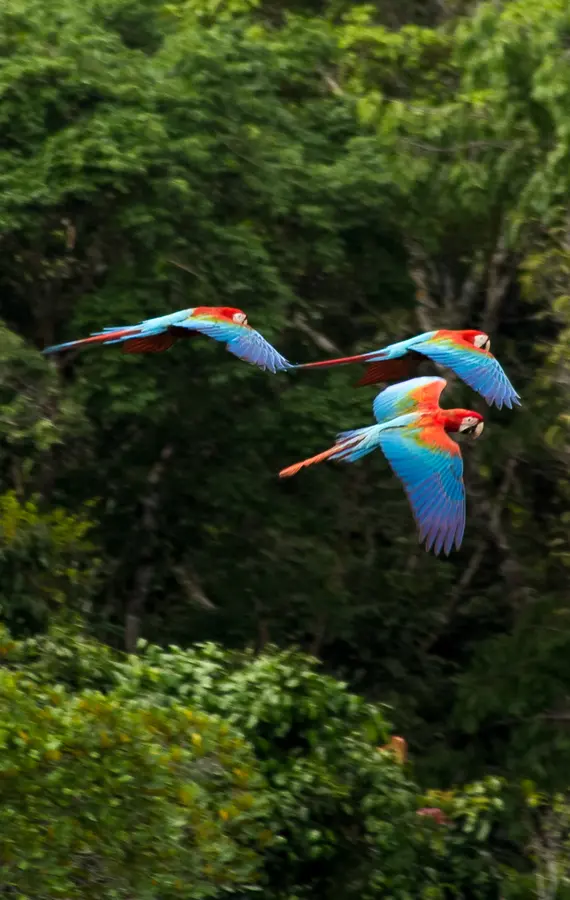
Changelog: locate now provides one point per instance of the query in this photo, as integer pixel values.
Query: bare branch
(427, 307)
(149, 526)
(319, 339)
(333, 86)
(178, 265)
(189, 582)
(470, 287)
(457, 148)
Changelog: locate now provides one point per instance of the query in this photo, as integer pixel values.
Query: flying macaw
(466, 352)
(413, 433)
(222, 323)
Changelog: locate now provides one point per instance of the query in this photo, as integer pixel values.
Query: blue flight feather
(433, 481)
(479, 369)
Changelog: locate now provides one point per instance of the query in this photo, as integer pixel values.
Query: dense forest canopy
(349, 175)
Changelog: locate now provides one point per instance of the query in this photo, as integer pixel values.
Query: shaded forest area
(349, 175)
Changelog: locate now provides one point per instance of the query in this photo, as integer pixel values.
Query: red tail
(341, 361)
(102, 338)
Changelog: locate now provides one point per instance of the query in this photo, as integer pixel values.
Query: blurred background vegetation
(349, 175)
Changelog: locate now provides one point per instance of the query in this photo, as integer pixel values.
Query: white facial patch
(240, 318)
(482, 342)
(468, 422)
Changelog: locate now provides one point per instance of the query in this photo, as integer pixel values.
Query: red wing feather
(153, 344)
(387, 370)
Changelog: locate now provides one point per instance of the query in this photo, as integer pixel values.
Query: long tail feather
(102, 338)
(292, 470)
(350, 446)
(341, 361)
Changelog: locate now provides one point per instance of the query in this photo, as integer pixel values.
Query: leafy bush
(346, 809)
(105, 798)
(47, 561)
(340, 813)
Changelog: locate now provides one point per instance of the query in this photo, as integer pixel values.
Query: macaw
(413, 433)
(466, 352)
(222, 323)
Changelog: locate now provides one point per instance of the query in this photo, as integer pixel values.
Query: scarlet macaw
(222, 323)
(466, 352)
(413, 432)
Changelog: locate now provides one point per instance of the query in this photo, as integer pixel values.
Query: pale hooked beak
(479, 430)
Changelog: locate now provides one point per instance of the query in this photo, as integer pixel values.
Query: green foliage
(47, 562)
(105, 798)
(339, 813)
(345, 808)
(349, 182)
(33, 414)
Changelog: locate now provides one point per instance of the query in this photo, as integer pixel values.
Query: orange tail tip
(292, 470)
(386, 371)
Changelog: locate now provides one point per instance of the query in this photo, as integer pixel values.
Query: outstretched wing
(410, 396)
(430, 467)
(241, 340)
(476, 367)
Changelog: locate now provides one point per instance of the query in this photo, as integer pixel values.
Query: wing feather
(241, 340)
(388, 370)
(430, 466)
(154, 344)
(478, 368)
(408, 397)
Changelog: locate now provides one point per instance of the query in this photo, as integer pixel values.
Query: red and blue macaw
(466, 352)
(413, 433)
(222, 323)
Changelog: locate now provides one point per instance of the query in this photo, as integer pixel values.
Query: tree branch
(320, 340)
(143, 575)
(189, 582)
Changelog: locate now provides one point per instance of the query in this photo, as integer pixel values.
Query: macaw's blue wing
(476, 367)
(408, 397)
(241, 340)
(430, 466)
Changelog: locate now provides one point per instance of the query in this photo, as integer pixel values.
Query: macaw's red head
(229, 313)
(233, 315)
(478, 338)
(464, 421)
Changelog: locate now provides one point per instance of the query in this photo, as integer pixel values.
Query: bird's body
(413, 432)
(222, 323)
(466, 352)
